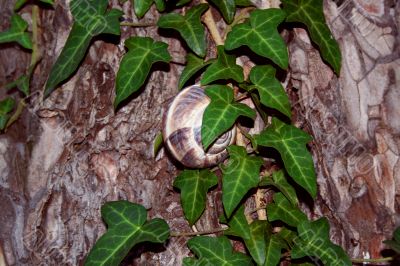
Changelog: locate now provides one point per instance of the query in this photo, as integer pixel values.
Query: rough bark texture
(68, 155)
(354, 121)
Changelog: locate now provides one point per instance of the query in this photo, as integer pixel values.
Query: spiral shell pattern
(182, 130)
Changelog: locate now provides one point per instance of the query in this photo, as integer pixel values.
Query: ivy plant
(287, 233)
(127, 226)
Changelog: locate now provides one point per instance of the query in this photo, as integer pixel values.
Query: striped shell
(182, 130)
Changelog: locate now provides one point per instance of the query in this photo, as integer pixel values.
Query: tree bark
(354, 122)
(68, 155)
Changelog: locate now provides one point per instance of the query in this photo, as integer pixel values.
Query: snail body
(182, 130)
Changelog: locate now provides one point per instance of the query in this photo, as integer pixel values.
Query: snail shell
(182, 130)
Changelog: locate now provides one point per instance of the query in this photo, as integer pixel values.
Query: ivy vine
(287, 233)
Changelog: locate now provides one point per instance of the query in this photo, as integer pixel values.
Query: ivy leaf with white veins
(279, 181)
(310, 13)
(227, 9)
(91, 18)
(259, 232)
(17, 32)
(270, 89)
(288, 236)
(194, 185)
(142, 6)
(127, 226)
(314, 240)
(260, 34)
(282, 184)
(215, 251)
(273, 246)
(136, 64)
(291, 144)
(239, 176)
(284, 211)
(238, 225)
(193, 65)
(189, 26)
(221, 113)
(224, 68)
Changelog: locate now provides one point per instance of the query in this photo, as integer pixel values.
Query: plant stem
(244, 13)
(35, 49)
(248, 213)
(257, 103)
(212, 26)
(20, 107)
(35, 58)
(137, 24)
(377, 260)
(258, 198)
(208, 232)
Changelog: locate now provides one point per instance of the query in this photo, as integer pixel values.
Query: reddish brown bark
(68, 155)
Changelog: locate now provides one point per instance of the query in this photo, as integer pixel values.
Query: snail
(182, 130)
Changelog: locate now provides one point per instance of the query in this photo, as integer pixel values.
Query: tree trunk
(68, 155)
(354, 120)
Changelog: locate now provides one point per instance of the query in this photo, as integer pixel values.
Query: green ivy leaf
(91, 19)
(216, 251)
(227, 9)
(141, 7)
(188, 261)
(224, 68)
(238, 225)
(239, 176)
(22, 83)
(6, 106)
(221, 113)
(396, 234)
(394, 243)
(314, 241)
(285, 211)
(291, 144)
(310, 13)
(273, 246)
(21, 3)
(136, 64)
(189, 26)
(243, 3)
(288, 236)
(260, 34)
(283, 185)
(157, 144)
(183, 2)
(279, 181)
(160, 5)
(127, 226)
(194, 185)
(259, 232)
(272, 94)
(50, 2)
(193, 65)
(16, 33)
